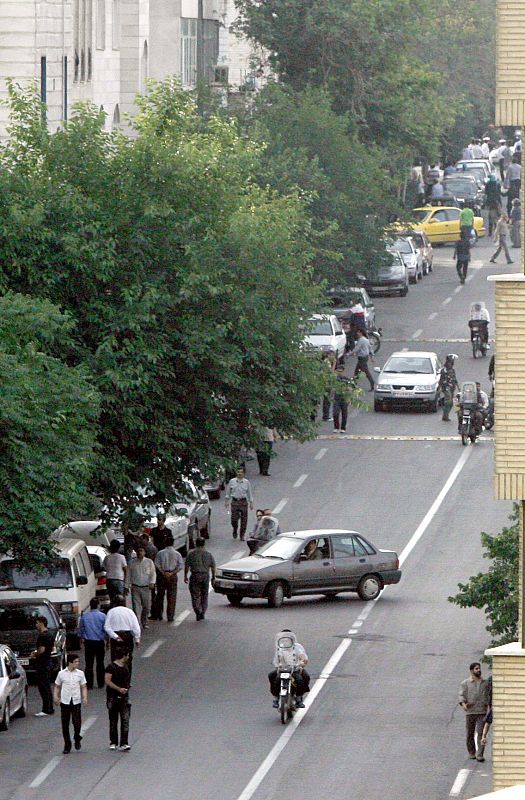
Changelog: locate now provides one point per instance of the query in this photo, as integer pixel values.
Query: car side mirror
(302, 557)
(432, 221)
(14, 676)
(82, 580)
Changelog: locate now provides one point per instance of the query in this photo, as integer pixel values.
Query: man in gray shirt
(362, 351)
(239, 494)
(168, 562)
(474, 694)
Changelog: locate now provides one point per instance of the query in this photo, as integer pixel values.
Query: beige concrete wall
(510, 63)
(508, 739)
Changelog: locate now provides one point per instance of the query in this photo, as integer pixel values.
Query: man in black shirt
(117, 680)
(42, 655)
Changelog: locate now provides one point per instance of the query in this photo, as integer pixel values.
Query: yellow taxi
(441, 223)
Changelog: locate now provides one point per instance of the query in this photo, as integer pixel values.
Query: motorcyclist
(482, 405)
(480, 316)
(289, 655)
(266, 529)
(448, 382)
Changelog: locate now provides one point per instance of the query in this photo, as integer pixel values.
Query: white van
(90, 531)
(69, 587)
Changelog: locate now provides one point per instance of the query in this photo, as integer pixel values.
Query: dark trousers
(264, 455)
(94, 649)
(128, 642)
(340, 410)
(461, 269)
(239, 513)
(514, 191)
(71, 713)
(43, 680)
(114, 587)
(474, 723)
(199, 587)
(362, 366)
(301, 679)
(118, 710)
(326, 408)
(166, 587)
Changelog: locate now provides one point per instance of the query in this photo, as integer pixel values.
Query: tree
(188, 284)
(48, 420)
(497, 589)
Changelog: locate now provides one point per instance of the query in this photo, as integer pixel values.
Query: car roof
(414, 353)
(437, 208)
(321, 316)
(37, 601)
(320, 532)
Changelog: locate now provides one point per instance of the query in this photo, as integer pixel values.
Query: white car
(13, 687)
(186, 520)
(326, 335)
(412, 257)
(475, 164)
(409, 377)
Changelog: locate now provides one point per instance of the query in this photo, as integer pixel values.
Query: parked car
(408, 378)
(18, 630)
(97, 554)
(441, 224)
(475, 164)
(91, 531)
(324, 562)
(13, 687)
(411, 255)
(422, 243)
(341, 300)
(187, 519)
(390, 278)
(468, 190)
(325, 335)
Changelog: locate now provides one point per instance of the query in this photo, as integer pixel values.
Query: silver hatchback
(309, 562)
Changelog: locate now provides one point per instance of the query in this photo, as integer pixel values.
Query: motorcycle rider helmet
(285, 652)
(451, 357)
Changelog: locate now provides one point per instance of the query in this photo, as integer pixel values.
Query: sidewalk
(479, 781)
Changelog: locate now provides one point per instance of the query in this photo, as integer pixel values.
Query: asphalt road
(384, 722)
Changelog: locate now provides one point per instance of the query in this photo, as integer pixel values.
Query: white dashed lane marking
(180, 617)
(433, 315)
(417, 333)
(280, 505)
(320, 454)
(153, 648)
(446, 301)
(300, 480)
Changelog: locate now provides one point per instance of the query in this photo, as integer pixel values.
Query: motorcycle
(286, 697)
(468, 409)
(477, 336)
(374, 337)
(488, 421)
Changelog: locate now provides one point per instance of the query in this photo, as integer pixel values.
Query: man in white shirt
(477, 151)
(141, 580)
(122, 626)
(70, 691)
(116, 567)
(485, 147)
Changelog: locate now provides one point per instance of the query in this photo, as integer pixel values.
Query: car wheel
(369, 587)
(275, 594)
(22, 711)
(206, 531)
(6, 717)
(404, 292)
(378, 405)
(234, 599)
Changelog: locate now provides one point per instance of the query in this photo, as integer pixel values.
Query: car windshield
(458, 186)
(284, 547)
(408, 366)
(344, 298)
(421, 214)
(321, 328)
(402, 246)
(23, 618)
(476, 171)
(57, 577)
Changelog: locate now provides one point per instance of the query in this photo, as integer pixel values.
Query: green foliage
(496, 590)
(48, 414)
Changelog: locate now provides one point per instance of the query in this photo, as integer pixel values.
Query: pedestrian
(92, 636)
(264, 450)
(466, 222)
(168, 563)
(116, 568)
(515, 223)
(341, 400)
(159, 533)
(462, 256)
(487, 722)
(42, 654)
(118, 680)
(330, 361)
(500, 236)
(436, 191)
(149, 548)
(70, 691)
(266, 529)
(485, 147)
(493, 201)
(122, 626)
(477, 150)
(141, 580)
(474, 699)
(362, 351)
(466, 155)
(513, 181)
(200, 562)
(448, 382)
(239, 494)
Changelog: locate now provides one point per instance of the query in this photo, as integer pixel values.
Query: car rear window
(55, 577)
(23, 618)
(368, 547)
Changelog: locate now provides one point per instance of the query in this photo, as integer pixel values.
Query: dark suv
(18, 630)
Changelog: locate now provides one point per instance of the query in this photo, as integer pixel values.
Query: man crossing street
(239, 494)
(199, 562)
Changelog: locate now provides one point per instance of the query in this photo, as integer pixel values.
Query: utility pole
(200, 44)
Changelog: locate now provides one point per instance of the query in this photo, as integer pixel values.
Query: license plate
(24, 662)
(404, 393)
(226, 584)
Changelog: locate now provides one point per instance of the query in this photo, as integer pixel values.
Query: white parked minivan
(68, 586)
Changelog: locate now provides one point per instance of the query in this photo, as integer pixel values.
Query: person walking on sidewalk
(70, 691)
(92, 636)
(44, 645)
(200, 562)
(515, 223)
(264, 450)
(362, 351)
(141, 580)
(462, 256)
(239, 494)
(118, 679)
(474, 699)
(168, 563)
(116, 568)
(501, 235)
(341, 401)
(122, 627)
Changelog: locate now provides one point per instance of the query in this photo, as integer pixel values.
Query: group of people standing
(338, 399)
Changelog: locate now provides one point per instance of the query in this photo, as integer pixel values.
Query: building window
(115, 25)
(189, 53)
(101, 25)
(210, 35)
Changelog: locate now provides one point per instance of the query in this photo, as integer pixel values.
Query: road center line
(180, 618)
(458, 289)
(152, 648)
(447, 300)
(300, 480)
(258, 777)
(280, 505)
(433, 315)
(86, 725)
(461, 779)
(417, 333)
(318, 456)
(43, 774)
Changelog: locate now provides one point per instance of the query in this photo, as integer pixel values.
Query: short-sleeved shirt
(114, 564)
(45, 640)
(119, 676)
(199, 561)
(70, 681)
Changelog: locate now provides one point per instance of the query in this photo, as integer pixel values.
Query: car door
(16, 685)
(312, 575)
(350, 560)
(453, 222)
(437, 226)
(340, 337)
